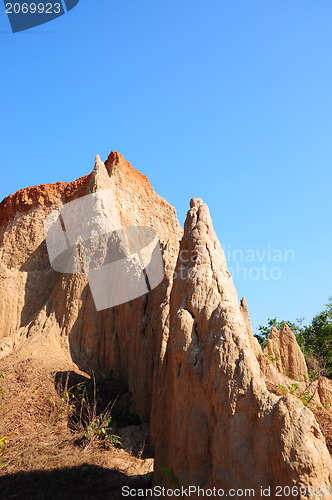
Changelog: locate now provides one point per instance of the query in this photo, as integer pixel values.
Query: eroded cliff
(185, 351)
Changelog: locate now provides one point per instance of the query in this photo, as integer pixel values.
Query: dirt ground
(42, 456)
(45, 451)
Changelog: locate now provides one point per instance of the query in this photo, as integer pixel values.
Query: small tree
(315, 339)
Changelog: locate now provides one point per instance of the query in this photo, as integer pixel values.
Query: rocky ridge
(184, 352)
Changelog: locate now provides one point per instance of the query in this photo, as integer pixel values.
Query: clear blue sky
(225, 100)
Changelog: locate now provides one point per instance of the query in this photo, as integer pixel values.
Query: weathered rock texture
(125, 342)
(222, 427)
(282, 348)
(282, 364)
(184, 351)
(325, 391)
(246, 318)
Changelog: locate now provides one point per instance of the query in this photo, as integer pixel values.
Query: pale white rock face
(86, 236)
(184, 351)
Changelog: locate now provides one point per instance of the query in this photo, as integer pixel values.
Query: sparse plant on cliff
(306, 397)
(293, 388)
(288, 390)
(272, 358)
(60, 406)
(100, 428)
(94, 425)
(283, 389)
(315, 340)
(2, 390)
(3, 442)
(80, 402)
(169, 474)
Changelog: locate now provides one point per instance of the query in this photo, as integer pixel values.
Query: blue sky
(229, 101)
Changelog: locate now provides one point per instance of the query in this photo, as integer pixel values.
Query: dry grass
(43, 458)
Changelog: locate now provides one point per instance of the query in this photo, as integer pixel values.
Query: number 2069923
(33, 8)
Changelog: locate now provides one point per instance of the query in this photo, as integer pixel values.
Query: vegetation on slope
(315, 339)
